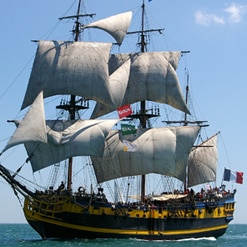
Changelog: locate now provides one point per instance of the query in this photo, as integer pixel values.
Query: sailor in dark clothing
(61, 186)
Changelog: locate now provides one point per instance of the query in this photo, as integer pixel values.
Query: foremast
(73, 106)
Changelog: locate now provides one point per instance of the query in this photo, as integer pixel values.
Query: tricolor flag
(124, 111)
(128, 129)
(233, 176)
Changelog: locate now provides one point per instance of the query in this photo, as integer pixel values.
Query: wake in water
(180, 240)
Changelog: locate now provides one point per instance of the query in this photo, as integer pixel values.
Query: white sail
(152, 77)
(116, 25)
(203, 162)
(77, 68)
(32, 127)
(158, 150)
(116, 60)
(119, 83)
(69, 138)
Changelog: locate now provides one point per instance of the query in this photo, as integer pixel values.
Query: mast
(143, 119)
(187, 90)
(72, 97)
(73, 106)
(143, 116)
(186, 123)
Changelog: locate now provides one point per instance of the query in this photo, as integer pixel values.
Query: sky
(213, 32)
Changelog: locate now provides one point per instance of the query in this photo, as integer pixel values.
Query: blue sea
(23, 235)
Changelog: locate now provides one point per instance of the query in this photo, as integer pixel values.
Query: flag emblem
(128, 129)
(124, 111)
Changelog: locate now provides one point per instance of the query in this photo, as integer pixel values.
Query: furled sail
(203, 160)
(158, 150)
(32, 127)
(149, 73)
(116, 25)
(68, 138)
(77, 68)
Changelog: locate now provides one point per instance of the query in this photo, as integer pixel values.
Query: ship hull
(50, 230)
(67, 219)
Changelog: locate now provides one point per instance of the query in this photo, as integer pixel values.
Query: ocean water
(23, 235)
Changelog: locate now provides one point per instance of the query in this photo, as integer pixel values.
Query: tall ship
(111, 170)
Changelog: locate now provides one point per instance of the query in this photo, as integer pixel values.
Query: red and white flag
(124, 111)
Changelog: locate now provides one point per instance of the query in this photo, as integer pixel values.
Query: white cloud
(205, 19)
(236, 12)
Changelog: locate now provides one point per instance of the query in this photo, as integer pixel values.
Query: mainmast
(143, 115)
(74, 105)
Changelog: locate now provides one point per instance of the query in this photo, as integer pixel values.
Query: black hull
(151, 229)
(67, 217)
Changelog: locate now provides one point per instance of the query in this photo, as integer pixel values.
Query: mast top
(77, 30)
(143, 37)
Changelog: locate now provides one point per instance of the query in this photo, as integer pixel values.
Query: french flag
(233, 176)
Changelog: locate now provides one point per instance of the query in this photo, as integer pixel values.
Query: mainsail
(157, 150)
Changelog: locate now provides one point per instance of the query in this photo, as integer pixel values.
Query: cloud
(205, 19)
(234, 13)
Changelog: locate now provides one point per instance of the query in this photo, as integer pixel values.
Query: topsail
(151, 76)
(77, 68)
